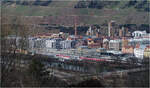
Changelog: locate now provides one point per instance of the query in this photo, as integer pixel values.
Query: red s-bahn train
(80, 58)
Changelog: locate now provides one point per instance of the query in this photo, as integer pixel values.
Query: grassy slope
(87, 16)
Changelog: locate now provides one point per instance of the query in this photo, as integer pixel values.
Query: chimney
(123, 33)
(97, 34)
(75, 27)
(109, 29)
(120, 33)
(124, 42)
(126, 33)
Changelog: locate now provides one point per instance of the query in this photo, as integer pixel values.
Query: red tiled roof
(148, 46)
(128, 46)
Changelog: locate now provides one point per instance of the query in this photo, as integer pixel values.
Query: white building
(67, 44)
(105, 40)
(137, 34)
(147, 36)
(143, 41)
(115, 44)
(31, 42)
(50, 43)
(139, 51)
(89, 31)
(53, 43)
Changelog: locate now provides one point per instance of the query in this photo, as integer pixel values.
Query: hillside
(63, 12)
(142, 5)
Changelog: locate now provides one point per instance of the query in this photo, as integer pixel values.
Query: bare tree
(10, 60)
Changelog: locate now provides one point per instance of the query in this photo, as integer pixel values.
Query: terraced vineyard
(65, 10)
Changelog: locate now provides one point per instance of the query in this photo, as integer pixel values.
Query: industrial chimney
(110, 27)
(75, 27)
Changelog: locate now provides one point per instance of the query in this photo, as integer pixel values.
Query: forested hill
(140, 5)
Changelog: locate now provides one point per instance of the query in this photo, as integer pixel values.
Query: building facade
(137, 34)
(147, 52)
(128, 49)
(67, 44)
(139, 51)
(115, 44)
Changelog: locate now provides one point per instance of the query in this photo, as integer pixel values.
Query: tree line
(142, 5)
